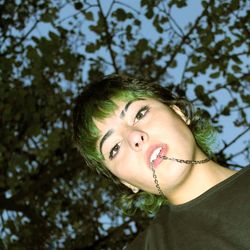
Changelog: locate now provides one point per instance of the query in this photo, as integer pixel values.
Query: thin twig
(210, 92)
(226, 145)
(184, 71)
(22, 39)
(240, 108)
(108, 37)
(76, 14)
(128, 6)
(168, 14)
(100, 59)
(184, 39)
(234, 155)
(110, 8)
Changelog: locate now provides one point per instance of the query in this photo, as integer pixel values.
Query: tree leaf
(236, 68)
(91, 47)
(78, 5)
(120, 14)
(215, 75)
(89, 16)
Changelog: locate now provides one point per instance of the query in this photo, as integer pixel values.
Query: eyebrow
(122, 115)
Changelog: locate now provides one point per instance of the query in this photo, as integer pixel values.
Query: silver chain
(185, 161)
(155, 179)
(173, 159)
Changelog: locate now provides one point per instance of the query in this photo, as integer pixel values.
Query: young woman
(139, 135)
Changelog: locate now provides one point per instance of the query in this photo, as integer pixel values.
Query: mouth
(156, 153)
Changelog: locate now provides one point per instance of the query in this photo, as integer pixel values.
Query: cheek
(128, 166)
(119, 167)
(164, 120)
(182, 135)
(171, 127)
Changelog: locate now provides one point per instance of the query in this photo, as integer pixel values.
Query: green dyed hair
(96, 102)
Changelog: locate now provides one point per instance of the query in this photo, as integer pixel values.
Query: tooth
(155, 154)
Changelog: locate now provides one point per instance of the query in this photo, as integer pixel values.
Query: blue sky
(183, 17)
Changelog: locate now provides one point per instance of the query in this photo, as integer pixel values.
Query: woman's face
(138, 132)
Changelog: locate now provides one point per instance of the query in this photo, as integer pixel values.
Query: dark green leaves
(215, 75)
(202, 95)
(177, 3)
(236, 68)
(89, 16)
(49, 50)
(227, 109)
(149, 7)
(91, 47)
(121, 15)
(78, 5)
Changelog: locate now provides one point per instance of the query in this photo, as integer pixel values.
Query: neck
(201, 178)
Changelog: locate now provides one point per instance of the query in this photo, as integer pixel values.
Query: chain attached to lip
(155, 179)
(177, 160)
(185, 161)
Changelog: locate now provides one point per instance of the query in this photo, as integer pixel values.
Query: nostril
(137, 144)
(142, 138)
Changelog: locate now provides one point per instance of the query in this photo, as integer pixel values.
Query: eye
(141, 113)
(114, 151)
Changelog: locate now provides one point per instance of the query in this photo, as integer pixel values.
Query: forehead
(119, 112)
(102, 123)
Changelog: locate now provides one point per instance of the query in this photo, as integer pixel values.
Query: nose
(137, 138)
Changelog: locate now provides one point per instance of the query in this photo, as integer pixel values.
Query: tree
(49, 50)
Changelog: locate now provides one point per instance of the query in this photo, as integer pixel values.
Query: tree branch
(184, 70)
(210, 92)
(128, 6)
(177, 49)
(234, 155)
(110, 8)
(21, 39)
(240, 108)
(44, 179)
(172, 20)
(108, 37)
(226, 145)
(37, 221)
(76, 14)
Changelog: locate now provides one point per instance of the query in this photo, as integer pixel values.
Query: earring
(135, 189)
(188, 121)
(130, 186)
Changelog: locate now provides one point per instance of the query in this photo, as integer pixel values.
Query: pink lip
(163, 152)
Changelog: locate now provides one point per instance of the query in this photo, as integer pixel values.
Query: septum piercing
(194, 162)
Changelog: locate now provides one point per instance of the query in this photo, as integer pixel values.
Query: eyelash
(145, 108)
(139, 115)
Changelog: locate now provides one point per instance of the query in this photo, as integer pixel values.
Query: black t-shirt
(217, 219)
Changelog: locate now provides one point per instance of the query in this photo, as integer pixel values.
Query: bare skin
(143, 126)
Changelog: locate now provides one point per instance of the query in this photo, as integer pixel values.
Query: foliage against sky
(49, 50)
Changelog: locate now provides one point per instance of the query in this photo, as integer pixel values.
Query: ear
(130, 186)
(178, 111)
